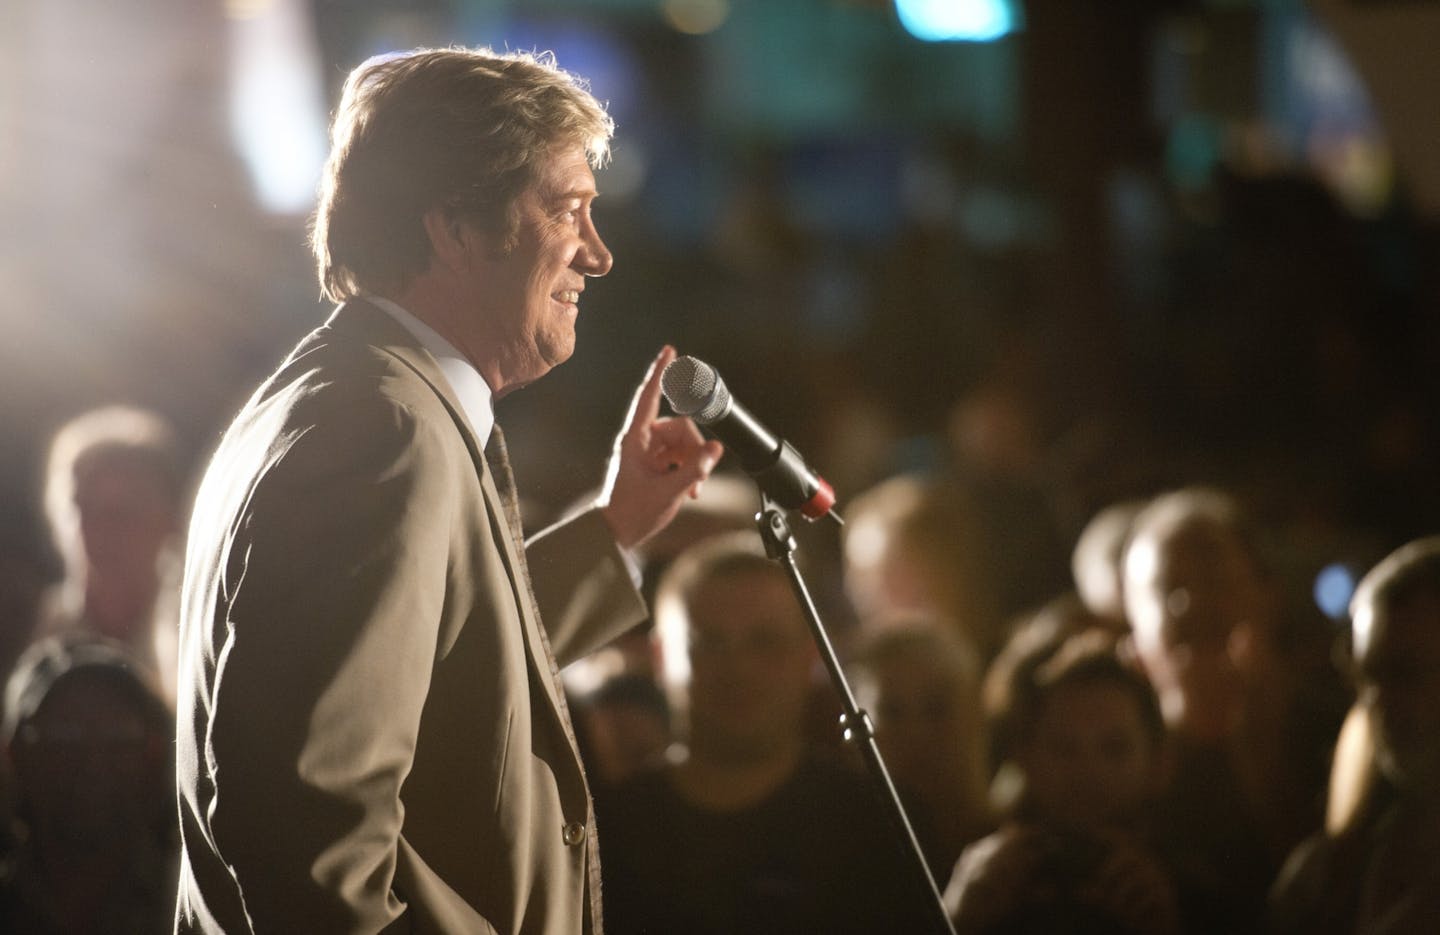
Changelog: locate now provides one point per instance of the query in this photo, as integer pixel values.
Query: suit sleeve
(334, 583)
(583, 586)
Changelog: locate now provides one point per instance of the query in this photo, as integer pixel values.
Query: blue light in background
(957, 20)
(1334, 586)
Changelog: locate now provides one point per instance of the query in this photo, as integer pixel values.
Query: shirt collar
(474, 394)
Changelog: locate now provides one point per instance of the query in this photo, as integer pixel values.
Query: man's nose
(593, 258)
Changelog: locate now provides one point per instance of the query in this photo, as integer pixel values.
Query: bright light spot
(956, 20)
(1334, 587)
(696, 17)
(247, 9)
(277, 111)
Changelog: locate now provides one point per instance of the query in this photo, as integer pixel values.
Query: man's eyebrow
(583, 194)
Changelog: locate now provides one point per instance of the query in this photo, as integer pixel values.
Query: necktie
(498, 457)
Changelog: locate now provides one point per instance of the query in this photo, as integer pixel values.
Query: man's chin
(557, 353)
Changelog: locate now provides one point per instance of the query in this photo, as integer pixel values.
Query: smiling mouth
(568, 296)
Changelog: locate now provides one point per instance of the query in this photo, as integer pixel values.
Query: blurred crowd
(1148, 729)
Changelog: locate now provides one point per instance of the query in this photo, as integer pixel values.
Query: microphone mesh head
(695, 389)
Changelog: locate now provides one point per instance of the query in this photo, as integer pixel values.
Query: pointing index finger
(647, 399)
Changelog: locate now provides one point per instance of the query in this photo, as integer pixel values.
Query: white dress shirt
(475, 395)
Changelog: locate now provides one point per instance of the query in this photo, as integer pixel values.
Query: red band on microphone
(820, 504)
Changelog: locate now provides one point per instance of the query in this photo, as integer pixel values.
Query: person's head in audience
(1075, 857)
(112, 495)
(1396, 645)
(1096, 561)
(1198, 602)
(1091, 740)
(910, 548)
(90, 740)
(1033, 639)
(627, 724)
(1374, 866)
(736, 654)
(726, 504)
(746, 826)
(921, 685)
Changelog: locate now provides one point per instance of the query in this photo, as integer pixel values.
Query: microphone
(695, 389)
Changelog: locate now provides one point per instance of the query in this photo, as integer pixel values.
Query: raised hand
(656, 463)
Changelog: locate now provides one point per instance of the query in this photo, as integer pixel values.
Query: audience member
(89, 740)
(744, 829)
(921, 686)
(624, 727)
(1008, 680)
(1378, 871)
(726, 503)
(1075, 857)
(1095, 562)
(911, 547)
(1203, 612)
(113, 497)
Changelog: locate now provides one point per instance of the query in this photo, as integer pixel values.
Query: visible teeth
(570, 295)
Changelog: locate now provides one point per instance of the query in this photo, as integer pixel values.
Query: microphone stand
(855, 724)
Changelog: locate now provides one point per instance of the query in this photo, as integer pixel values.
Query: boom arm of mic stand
(857, 729)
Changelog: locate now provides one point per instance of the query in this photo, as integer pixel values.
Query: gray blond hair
(461, 129)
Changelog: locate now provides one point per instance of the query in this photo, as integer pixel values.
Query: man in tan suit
(372, 733)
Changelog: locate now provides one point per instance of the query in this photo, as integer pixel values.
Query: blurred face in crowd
(126, 516)
(624, 739)
(881, 578)
(1194, 602)
(925, 718)
(1090, 762)
(750, 659)
(517, 320)
(1397, 656)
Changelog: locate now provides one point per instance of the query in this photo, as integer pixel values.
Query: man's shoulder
(355, 375)
(334, 393)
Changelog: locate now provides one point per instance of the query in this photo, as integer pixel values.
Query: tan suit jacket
(370, 734)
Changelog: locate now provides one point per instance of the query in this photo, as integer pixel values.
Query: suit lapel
(362, 321)
(542, 660)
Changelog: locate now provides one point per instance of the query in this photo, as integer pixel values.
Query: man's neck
(430, 301)
(470, 387)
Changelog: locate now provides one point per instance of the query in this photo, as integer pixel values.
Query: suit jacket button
(574, 833)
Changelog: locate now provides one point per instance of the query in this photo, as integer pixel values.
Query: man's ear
(450, 237)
